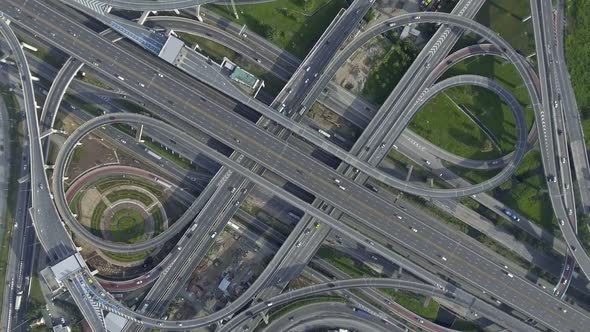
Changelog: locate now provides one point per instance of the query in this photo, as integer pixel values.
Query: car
(382, 146)
(443, 258)
(123, 141)
(552, 178)
(567, 267)
(214, 234)
(317, 225)
(41, 186)
(373, 257)
(237, 203)
(258, 60)
(298, 244)
(573, 248)
(179, 248)
(232, 190)
(315, 75)
(510, 274)
(336, 180)
(160, 75)
(414, 230)
(141, 84)
(417, 17)
(398, 217)
(341, 187)
(306, 81)
(563, 160)
(139, 282)
(373, 188)
(561, 222)
(427, 162)
(307, 231)
(567, 186)
(307, 68)
(570, 212)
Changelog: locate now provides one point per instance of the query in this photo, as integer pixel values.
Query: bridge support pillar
(265, 317)
(409, 173)
(199, 17)
(139, 134)
(143, 17)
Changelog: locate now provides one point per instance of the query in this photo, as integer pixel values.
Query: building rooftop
(241, 76)
(171, 49)
(70, 265)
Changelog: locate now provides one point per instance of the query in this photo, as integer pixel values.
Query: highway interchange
(319, 181)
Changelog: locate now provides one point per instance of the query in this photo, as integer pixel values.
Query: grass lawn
(505, 17)
(293, 25)
(348, 265)
(526, 192)
(387, 72)
(131, 107)
(13, 168)
(442, 122)
(91, 79)
(74, 204)
(95, 219)
(471, 175)
(496, 68)
(413, 303)
(129, 258)
(113, 182)
(127, 225)
(578, 57)
(130, 194)
(158, 220)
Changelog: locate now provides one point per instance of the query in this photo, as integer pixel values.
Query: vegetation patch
(348, 265)
(414, 303)
(498, 69)
(114, 182)
(16, 133)
(96, 218)
(127, 226)
(294, 25)
(386, 73)
(578, 58)
(505, 17)
(526, 192)
(128, 258)
(91, 79)
(130, 194)
(158, 220)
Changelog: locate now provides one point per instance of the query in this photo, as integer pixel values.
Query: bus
(324, 133)
(153, 154)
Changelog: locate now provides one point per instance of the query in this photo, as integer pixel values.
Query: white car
(214, 234)
(443, 258)
(414, 230)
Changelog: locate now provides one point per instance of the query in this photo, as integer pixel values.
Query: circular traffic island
(127, 225)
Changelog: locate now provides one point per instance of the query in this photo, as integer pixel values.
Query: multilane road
(508, 289)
